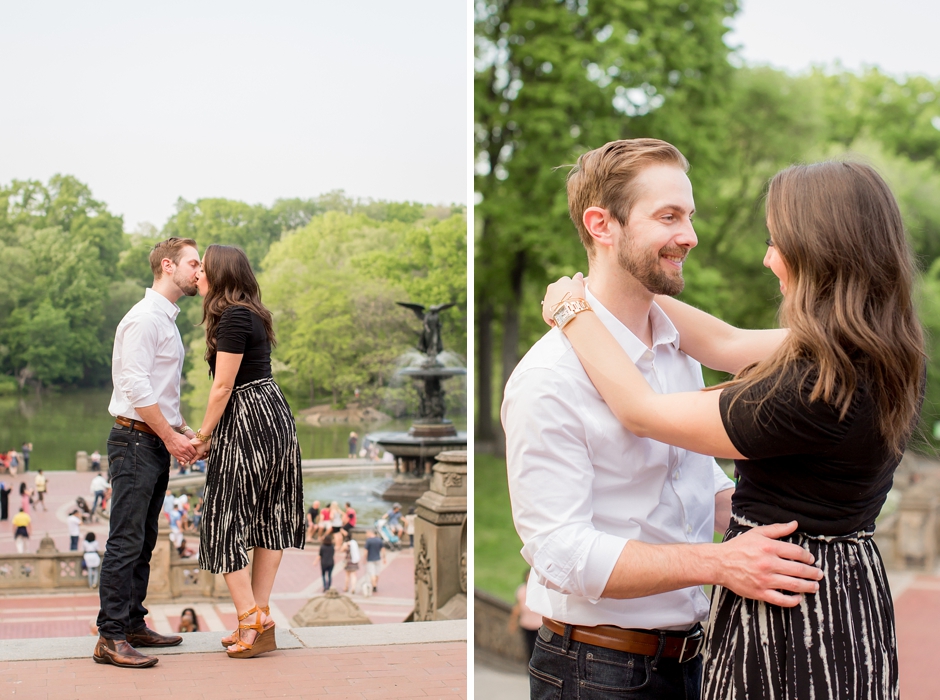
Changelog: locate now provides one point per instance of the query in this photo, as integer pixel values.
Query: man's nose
(687, 237)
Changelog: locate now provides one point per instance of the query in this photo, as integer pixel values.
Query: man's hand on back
(757, 565)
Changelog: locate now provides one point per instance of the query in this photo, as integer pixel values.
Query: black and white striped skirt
(837, 643)
(254, 486)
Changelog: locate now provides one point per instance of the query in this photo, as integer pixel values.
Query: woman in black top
(817, 420)
(254, 493)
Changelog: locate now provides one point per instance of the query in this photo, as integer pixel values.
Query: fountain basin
(416, 454)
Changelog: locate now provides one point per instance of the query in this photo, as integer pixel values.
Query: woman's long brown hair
(849, 304)
(231, 283)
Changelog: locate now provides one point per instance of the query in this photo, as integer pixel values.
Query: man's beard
(644, 265)
(187, 286)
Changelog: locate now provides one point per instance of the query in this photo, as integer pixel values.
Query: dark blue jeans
(327, 577)
(139, 470)
(560, 671)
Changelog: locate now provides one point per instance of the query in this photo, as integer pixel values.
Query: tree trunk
(510, 352)
(484, 396)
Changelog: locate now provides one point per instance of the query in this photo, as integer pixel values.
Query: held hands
(756, 565)
(202, 448)
(180, 447)
(565, 288)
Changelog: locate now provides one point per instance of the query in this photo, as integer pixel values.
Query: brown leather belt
(683, 648)
(135, 425)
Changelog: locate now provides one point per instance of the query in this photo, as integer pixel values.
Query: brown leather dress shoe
(119, 653)
(148, 638)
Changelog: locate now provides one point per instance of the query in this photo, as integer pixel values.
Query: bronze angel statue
(430, 341)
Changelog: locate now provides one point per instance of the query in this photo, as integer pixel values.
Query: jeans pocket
(612, 674)
(543, 686)
(117, 455)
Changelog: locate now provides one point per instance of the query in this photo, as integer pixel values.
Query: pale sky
(147, 102)
(899, 36)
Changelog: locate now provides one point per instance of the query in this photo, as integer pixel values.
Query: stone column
(441, 543)
(159, 586)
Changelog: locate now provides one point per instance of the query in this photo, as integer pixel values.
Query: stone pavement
(917, 615)
(414, 660)
(69, 614)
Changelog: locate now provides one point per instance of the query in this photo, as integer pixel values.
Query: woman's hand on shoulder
(557, 292)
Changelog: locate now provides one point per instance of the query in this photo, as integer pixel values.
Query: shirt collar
(164, 304)
(664, 332)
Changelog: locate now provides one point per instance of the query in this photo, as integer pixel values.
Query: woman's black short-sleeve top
(241, 332)
(803, 462)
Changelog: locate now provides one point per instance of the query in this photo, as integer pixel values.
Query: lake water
(61, 424)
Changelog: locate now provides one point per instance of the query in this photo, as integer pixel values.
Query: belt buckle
(694, 648)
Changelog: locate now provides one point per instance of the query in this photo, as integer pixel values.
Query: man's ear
(167, 266)
(598, 222)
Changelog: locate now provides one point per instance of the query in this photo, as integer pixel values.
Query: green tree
(554, 80)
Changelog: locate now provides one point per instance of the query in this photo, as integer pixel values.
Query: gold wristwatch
(568, 309)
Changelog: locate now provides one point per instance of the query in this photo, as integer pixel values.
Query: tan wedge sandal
(264, 641)
(230, 640)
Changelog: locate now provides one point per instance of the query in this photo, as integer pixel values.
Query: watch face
(563, 315)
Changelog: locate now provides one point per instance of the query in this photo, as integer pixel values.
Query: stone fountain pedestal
(441, 542)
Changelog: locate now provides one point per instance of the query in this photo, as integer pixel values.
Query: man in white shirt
(618, 528)
(146, 367)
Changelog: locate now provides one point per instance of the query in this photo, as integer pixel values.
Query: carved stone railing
(172, 576)
(46, 569)
(441, 542)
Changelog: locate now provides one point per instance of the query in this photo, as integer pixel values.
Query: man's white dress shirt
(582, 485)
(147, 362)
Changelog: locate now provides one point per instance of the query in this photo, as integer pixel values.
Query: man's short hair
(603, 178)
(172, 249)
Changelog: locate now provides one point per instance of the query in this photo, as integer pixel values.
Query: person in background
(27, 450)
(375, 551)
(410, 526)
(22, 529)
(521, 618)
(41, 485)
(327, 552)
(96, 461)
(184, 550)
(353, 557)
(15, 462)
(188, 621)
(336, 517)
(92, 559)
(99, 489)
(197, 513)
(4, 500)
(74, 523)
(312, 514)
(353, 442)
(394, 520)
(176, 530)
(26, 497)
(350, 518)
(168, 501)
(326, 522)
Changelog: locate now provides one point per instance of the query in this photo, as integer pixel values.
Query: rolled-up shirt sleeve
(550, 485)
(137, 358)
(722, 482)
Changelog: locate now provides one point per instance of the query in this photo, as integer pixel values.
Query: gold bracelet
(184, 429)
(201, 437)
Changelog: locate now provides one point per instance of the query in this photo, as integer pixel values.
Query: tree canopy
(554, 80)
(331, 268)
